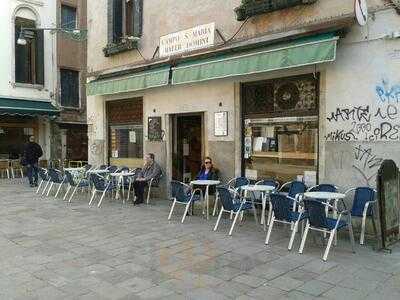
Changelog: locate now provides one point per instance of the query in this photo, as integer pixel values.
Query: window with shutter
(124, 22)
(69, 88)
(68, 17)
(29, 58)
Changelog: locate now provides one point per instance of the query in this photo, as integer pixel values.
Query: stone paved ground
(50, 249)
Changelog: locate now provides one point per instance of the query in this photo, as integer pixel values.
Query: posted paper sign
(221, 123)
(132, 137)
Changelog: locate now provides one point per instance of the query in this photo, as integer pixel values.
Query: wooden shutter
(117, 20)
(137, 17)
(39, 59)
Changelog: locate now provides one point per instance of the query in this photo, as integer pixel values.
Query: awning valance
(136, 82)
(22, 107)
(306, 51)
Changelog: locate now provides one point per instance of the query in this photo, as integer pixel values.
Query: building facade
(71, 129)
(28, 76)
(282, 89)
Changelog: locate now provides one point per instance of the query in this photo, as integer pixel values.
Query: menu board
(154, 131)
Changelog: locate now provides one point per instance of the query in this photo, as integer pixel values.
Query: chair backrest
(361, 196)
(238, 182)
(281, 206)
(43, 174)
(324, 187)
(123, 169)
(70, 178)
(226, 198)
(87, 167)
(296, 187)
(269, 182)
(180, 191)
(4, 164)
(316, 213)
(112, 169)
(99, 182)
(55, 175)
(103, 167)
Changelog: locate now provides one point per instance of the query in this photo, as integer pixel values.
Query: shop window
(126, 141)
(281, 129)
(29, 58)
(68, 17)
(69, 88)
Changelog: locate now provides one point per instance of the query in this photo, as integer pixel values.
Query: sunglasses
(207, 162)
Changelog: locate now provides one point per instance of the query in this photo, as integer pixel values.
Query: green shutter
(39, 67)
(117, 21)
(137, 18)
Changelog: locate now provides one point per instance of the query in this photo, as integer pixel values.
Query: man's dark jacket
(32, 152)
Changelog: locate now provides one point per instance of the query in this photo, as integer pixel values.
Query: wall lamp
(29, 33)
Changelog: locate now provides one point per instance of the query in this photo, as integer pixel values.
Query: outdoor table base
(207, 184)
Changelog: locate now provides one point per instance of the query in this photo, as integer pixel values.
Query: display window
(281, 129)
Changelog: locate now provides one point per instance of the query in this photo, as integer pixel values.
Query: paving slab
(51, 249)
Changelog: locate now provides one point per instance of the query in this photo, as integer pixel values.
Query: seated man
(150, 170)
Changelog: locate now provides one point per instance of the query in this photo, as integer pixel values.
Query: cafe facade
(315, 101)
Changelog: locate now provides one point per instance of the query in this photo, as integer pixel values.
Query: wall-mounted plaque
(154, 131)
(221, 123)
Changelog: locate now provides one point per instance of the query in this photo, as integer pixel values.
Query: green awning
(306, 51)
(21, 107)
(136, 82)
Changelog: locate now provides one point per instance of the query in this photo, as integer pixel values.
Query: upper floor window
(29, 58)
(69, 88)
(127, 19)
(68, 17)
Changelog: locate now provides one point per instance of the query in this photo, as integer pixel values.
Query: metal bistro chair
(100, 185)
(296, 188)
(182, 193)
(4, 168)
(112, 169)
(44, 178)
(235, 184)
(153, 183)
(363, 202)
(282, 213)
(16, 166)
(317, 220)
(258, 196)
(56, 177)
(232, 202)
(82, 183)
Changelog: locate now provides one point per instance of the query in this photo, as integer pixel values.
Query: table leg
(264, 205)
(207, 201)
(335, 216)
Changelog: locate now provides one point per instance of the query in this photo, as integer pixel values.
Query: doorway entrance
(187, 146)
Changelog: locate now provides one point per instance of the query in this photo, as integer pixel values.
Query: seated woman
(207, 171)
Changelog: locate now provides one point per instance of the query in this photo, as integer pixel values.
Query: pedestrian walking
(32, 152)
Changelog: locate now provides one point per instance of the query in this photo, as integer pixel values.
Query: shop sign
(154, 131)
(195, 38)
(221, 123)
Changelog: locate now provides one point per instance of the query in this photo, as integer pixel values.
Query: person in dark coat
(32, 152)
(208, 172)
(150, 170)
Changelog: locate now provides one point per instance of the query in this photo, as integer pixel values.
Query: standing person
(150, 170)
(32, 152)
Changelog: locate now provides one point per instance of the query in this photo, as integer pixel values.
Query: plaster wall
(161, 17)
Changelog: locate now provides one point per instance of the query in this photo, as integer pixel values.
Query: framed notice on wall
(154, 131)
(221, 123)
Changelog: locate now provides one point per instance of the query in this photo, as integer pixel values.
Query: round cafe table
(327, 196)
(264, 190)
(120, 176)
(207, 184)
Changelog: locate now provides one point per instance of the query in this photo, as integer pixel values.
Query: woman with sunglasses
(207, 171)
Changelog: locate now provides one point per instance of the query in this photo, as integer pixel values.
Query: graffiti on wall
(373, 122)
(366, 163)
